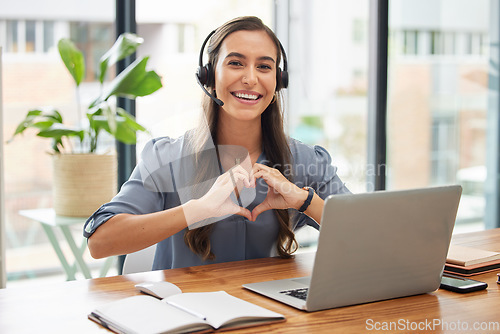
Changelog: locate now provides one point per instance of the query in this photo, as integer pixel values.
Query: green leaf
(125, 45)
(134, 81)
(73, 59)
(58, 131)
(130, 120)
(54, 114)
(38, 119)
(42, 125)
(101, 114)
(35, 112)
(123, 132)
(111, 117)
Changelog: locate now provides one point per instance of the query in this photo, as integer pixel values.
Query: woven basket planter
(83, 182)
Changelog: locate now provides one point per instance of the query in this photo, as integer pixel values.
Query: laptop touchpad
(303, 280)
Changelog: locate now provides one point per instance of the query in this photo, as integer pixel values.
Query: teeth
(246, 96)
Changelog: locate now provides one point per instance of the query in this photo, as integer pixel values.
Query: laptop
(374, 246)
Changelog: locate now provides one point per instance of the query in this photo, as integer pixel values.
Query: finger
(268, 177)
(240, 169)
(240, 175)
(247, 163)
(244, 212)
(259, 209)
(240, 181)
(251, 178)
(259, 167)
(259, 171)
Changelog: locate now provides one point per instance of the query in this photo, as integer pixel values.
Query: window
(438, 103)
(474, 44)
(37, 79)
(93, 39)
(48, 36)
(12, 36)
(31, 41)
(443, 150)
(28, 36)
(359, 31)
(181, 28)
(411, 42)
(327, 96)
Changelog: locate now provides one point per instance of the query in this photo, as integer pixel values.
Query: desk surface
(63, 307)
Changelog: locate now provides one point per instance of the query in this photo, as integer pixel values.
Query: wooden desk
(63, 307)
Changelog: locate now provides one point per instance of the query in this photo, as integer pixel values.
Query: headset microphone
(216, 100)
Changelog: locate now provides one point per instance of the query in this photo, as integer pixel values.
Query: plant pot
(83, 182)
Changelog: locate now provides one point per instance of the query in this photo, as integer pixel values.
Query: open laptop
(374, 246)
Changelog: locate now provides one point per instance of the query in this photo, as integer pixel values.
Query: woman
(235, 188)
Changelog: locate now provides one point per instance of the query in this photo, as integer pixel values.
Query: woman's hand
(281, 193)
(217, 201)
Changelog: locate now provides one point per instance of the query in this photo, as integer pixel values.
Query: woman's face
(245, 74)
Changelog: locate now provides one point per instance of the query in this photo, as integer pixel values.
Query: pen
(180, 307)
(96, 317)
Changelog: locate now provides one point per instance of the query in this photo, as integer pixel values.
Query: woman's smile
(247, 97)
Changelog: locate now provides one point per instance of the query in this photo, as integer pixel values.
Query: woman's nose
(250, 77)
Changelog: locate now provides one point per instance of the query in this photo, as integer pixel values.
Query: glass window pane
(328, 82)
(93, 39)
(12, 36)
(48, 36)
(437, 101)
(35, 81)
(30, 36)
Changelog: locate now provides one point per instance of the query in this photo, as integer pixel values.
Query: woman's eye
(265, 67)
(234, 63)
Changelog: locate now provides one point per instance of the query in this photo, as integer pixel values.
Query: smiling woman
(234, 188)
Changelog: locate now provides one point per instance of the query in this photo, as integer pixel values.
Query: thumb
(259, 209)
(244, 212)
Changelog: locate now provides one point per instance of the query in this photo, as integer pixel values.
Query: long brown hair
(274, 140)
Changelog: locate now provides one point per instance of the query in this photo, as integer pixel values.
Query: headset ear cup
(202, 75)
(210, 76)
(284, 79)
(205, 75)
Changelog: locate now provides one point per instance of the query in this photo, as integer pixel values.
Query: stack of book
(468, 261)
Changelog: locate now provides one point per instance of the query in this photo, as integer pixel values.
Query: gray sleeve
(313, 168)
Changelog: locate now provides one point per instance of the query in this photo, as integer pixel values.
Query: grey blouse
(165, 176)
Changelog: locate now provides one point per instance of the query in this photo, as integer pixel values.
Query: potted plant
(85, 178)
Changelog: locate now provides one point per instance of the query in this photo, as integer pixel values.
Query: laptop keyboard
(297, 293)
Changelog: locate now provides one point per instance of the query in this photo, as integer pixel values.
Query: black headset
(205, 75)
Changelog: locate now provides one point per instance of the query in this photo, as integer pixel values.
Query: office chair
(139, 261)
